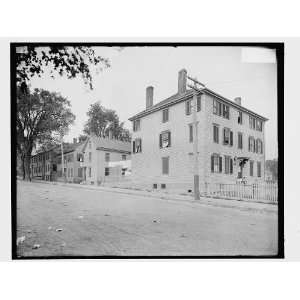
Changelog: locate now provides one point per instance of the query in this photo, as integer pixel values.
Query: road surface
(66, 221)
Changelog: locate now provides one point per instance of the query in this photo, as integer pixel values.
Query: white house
(231, 141)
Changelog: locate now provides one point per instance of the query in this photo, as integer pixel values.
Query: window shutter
(140, 145)
(199, 103)
(224, 134)
(169, 137)
(231, 138)
(231, 166)
(133, 146)
(212, 163)
(249, 143)
(220, 164)
(160, 141)
(261, 148)
(187, 107)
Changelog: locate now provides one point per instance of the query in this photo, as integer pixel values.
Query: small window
(165, 139)
(155, 185)
(107, 157)
(188, 107)
(226, 111)
(190, 133)
(216, 133)
(240, 140)
(163, 186)
(251, 167)
(106, 171)
(137, 145)
(136, 125)
(90, 156)
(258, 169)
(165, 165)
(198, 102)
(216, 163)
(259, 125)
(252, 122)
(228, 165)
(240, 117)
(123, 157)
(124, 171)
(165, 115)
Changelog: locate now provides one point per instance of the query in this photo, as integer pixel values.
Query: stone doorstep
(212, 201)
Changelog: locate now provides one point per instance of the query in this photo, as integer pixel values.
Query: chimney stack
(238, 100)
(149, 97)
(182, 81)
(74, 140)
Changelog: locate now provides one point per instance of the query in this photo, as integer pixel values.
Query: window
(124, 171)
(165, 116)
(54, 168)
(258, 169)
(252, 122)
(106, 171)
(259, 146)
(198, 102)
(71, 172)
(90, 156)
(165, 139)
(90, 172)
(137, 146)
(191, 133)
(227, 137)
(259, 125)
(107, 157)
(216, 133)
(80, 172)
(136, 125)
(228, 165)
(123, 157)
(251, 167)
(217, 108)
(251, 144)
(240, 140)
(165, 165)
(226, 111)
(216, 163)
(240, 117)
(188, 107)
(90, 144)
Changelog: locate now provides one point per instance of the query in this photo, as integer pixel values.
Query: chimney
(182, 81)
(74, 140)
(149, 97)
(238, 100)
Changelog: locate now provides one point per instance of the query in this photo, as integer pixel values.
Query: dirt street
(66, 221)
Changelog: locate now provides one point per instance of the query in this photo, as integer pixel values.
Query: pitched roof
(102, 143)
(176, 98)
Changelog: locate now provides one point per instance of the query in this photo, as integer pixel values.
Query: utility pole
(195, 135)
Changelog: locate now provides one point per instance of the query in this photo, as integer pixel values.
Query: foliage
(70, 61)
(272, 166)
(102, 121)
(39, 114)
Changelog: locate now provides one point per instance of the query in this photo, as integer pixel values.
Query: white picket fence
(265, 192)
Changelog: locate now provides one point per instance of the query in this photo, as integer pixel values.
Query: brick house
(98, 154)
(43, 165)
(231, 141)
(72, 158)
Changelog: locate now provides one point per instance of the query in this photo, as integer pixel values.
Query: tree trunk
(27, 161)
(23, 166)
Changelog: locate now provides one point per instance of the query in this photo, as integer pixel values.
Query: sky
(249, 73)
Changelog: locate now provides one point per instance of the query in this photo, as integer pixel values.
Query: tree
(39, 114)
(70, 61)
(102, 121)
(272, 166)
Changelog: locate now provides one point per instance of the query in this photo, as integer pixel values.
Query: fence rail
(267, 192)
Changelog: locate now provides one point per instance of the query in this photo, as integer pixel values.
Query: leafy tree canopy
(102, 121)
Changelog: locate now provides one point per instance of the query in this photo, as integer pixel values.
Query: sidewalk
(224, 203)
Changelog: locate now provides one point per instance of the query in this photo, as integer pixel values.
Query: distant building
(105, 159)
(231, 140)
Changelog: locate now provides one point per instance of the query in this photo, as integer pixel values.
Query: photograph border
(277, 46)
